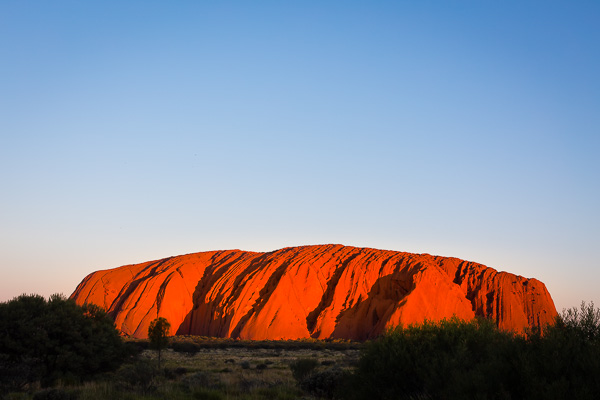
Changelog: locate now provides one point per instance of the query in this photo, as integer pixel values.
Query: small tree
(158, 333)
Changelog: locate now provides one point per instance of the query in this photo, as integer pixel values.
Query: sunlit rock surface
(325, 291)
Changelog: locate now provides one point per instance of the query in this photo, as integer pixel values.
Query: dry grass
(216, 360)
(215, 372)
(239, 372)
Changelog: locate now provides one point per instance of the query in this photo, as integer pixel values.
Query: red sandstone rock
(328, 291)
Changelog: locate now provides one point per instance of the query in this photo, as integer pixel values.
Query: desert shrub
(245, 364)
(261, 366)
(276, 393)
(302, 367)
(452, 359)
(174, 373)
(55, 339)
(207, 394)
(564, 362)
(54, 394)
(136, 346)
(325, 384)
(169, 373)
(180, 371)
(188, 347)
(141, 376)
(196, 380)
(16, 396)
(456, 359)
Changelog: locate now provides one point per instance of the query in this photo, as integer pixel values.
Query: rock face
(326, 291)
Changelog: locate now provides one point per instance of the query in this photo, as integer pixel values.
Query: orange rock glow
(325, 291)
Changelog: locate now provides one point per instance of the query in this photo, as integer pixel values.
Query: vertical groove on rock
(327, 298)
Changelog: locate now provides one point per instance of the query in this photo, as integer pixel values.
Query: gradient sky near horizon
(137, 130)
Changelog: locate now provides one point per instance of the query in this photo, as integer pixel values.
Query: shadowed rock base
(325, 291)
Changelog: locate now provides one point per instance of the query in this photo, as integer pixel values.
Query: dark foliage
(54, 394)
(188, 347)
(261, 366)
(137, 346)
(455, 360)
(200, 379)
(174, 373)
(564, 362)
(302, 367)
(452, 359)
(328, 384)
(140, 376)
(55, 339)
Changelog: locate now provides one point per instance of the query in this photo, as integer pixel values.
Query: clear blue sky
(136, 130)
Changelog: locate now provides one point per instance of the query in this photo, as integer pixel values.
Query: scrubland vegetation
(474, 360)
(57, 350)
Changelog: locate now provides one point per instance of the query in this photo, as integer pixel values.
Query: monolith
(324, 291)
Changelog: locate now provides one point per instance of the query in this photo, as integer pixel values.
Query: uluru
(321, 292)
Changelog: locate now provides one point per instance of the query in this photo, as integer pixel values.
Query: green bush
(141, 376)
(327, 384)
(55, 339)
(188, 347)
(455, 359)
(198, 379)
(564, 362)
(452, 359)
(302, 367)
(136, 347)
(16, 396)
(208, 394)
(54, 394)
(174, 373)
